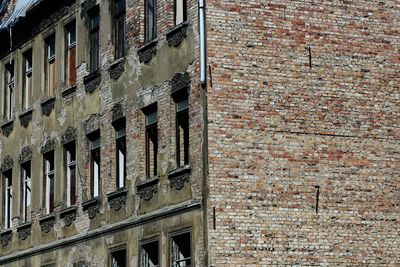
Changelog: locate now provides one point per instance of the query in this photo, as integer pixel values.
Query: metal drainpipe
(203, 48)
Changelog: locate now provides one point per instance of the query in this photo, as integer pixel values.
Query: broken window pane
(180, 250)
(149, 254)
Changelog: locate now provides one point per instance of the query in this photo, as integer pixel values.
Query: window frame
(26, 96)
(8, 101)
(95, 158)
(70, 54)
(120, 146)
(182, 119)
(119, 28)
(184, 12)
(141, 249)
(50, 65)
(94, 39)
(8, 198)
(171, 253)
(117, 249)
(26, 179)
(150, 33)
(69, 178)
(151, 136)
(49, 181)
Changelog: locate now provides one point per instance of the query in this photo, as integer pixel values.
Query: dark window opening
(95, 165)
(9, 91)
(149, 254)
(180, 250)
(180, 11)
(70, 55)
(26, 190)
(118, 258)
(119, 28)
(94, 28)
(50, 69)
(8, 199)
(70, 172)
(150, 20)
(49, 181)
(182, 131)
(27, 81)
(151, 142)
(120, 139)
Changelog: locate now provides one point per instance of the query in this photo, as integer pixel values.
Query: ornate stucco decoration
(7, 128)
(117, 199)
(177, 34)
(7, 163)
(69, 135)
(147, 189)
(86, 6)
(5, 237)
(92, 124)
(92, 206)
(51, 19)
(92, 81)
(48, 145)
(69, 215)
(25, 118)
(117, 68)
(47, 223)
(26, 154)
(180, 82)
(179, 177)
(147, 51)
(24, 231)
(117, 112)
(48, 106)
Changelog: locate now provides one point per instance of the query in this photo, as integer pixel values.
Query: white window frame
(8, 201)
(49, 173)
(26, 190)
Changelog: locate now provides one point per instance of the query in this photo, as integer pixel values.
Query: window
(50, 69)
(151, 142)
(118, 258)
(182, 131)
(9, 91)
(26, 190)
(94, 27)
(180, 11)
(119, 28)
(149, 254)
(70, 172)
(49, 181)
(150, 20)
(27, 81)
(70, 55)
(180, 250)
(7, 199)
(120, 133)
(95, 165)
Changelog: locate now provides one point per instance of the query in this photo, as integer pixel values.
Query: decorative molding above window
(117, 199)
(47, 223)
(117, 112)
(117, 68)
(92, 124)
(179, 177)
(26, 154)
(92, 206)
(92, 81)
(5, 237)
(25, 118)
(180, 82)
(7, 163)
(48, 106)
(177, 34)
(147, 189)
(7, 128)
(69, 215)
(47, 145)
(147, 51)
(86, 6)
(24, 230)
(69, 135)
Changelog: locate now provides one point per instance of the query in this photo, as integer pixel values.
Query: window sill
(25, 118)
(69, 215)
(147, 51)
(24, 230)
(177, 34)
(178, 177)
(117, 68)
(7, 127)
(117, 199)
(92, 81)
(147, 189)
(47, 223)
(5, 237)
(92, 206)
(69, 91)
(48, 105)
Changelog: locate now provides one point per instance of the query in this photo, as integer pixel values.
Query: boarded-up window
(27, 81)
(50, 70)
(70, 68)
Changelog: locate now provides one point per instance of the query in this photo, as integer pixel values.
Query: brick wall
(278, 129)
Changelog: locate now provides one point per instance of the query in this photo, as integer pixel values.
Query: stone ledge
(7, 127)
(117, 199)
(69, 215)
(179, 177)
(48, 105)
(47, 223)
(24, 230)
(69, 91)
(147, 51)
(5, 237)
(92, 206)
(177, 34)
(92, 81)
(117, 68)
(25, 118)
(147, 189)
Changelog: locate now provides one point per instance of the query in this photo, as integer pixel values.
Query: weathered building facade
(114, 152)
